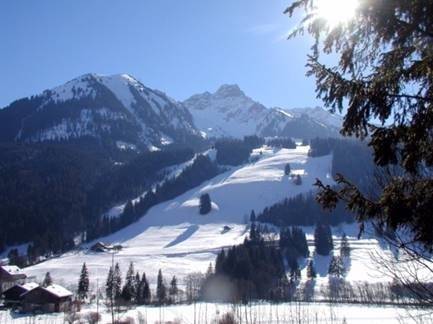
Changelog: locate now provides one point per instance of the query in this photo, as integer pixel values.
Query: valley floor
(203, 313)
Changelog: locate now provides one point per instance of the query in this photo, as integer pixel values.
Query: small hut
(13, 296)
(53, 298)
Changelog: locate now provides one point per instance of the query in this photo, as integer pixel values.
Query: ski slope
(174, 237)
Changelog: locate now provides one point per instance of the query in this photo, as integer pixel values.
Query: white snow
(260, 313)
(12, 270)
(30, 285)
(173, 236)
(230, 113)
(58, 291)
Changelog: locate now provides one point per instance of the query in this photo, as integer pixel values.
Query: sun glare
(336, 11)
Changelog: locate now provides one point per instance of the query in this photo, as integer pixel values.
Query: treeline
(236, 152)
(282, 142)
(353, 159)
(254, 270)
(49, 193)
(200, 170)
(303, 210)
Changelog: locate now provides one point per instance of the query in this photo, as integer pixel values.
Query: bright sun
(336, 11)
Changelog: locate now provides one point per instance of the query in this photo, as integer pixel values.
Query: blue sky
(181, 47)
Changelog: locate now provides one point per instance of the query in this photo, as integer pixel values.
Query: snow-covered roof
(30, 285)
(58, 291)
(12, 270)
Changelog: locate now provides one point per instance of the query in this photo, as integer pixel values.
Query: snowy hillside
(229, 112)
(173, 236)
(117, 108)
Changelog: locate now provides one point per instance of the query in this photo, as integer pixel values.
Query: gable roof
(17, 291)
(11, 269)
(30, 285)
(58, 291)
(11, 273)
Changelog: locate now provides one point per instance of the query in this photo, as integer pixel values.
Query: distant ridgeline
(350, 158)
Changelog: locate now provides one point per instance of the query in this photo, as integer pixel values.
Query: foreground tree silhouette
(383, 83)
(384, 77)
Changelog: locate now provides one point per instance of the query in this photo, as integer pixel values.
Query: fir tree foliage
(129, 290)
(287, 169)
(161, 289)
(143, 294)
(83, 283)
(382, 81)
(205, 204)
(336, 267)
(323, 239)
(344, 246)
(117, 282)
(302, 210)
(173, 290)
(48, 281)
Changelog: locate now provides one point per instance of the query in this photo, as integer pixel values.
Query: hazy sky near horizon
(180, 47)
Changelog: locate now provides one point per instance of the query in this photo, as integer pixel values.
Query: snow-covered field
(174, 237)
(203, 313)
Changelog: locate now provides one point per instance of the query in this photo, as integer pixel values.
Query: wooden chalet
(12, 297)
(53, 298)
(10, 276)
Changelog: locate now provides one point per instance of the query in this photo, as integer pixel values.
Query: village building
(53, 298)
(12, 297)
(11, 276)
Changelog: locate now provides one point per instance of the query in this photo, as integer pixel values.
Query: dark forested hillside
(51, 192)
(200, 170)
(302, 210)
(234, 151)
(351, 158)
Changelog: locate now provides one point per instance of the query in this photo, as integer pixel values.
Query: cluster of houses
(18, 292)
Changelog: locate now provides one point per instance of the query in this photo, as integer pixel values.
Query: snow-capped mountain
(229, 112)
(117, 108)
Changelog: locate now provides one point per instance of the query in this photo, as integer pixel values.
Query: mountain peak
(229, 90)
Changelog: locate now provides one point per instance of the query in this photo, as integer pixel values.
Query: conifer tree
(109, 284)
(117, 282)
(48, 281)
(136, 285)
(143, 291)
(252, 216)
(254, 235)
(205, 204)
(173, 290)
(382, 81)
(161, 290)
(83, 283)
(129, 289)
(344, 247)
(209, 271)
(323, 239)
(287, 169)
(336, 267)
(311, 271)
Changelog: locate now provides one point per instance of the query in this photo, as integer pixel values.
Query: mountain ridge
(121, 110)
(117, 107)
(230, 112)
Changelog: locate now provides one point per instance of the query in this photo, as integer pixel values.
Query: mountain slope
(116, 108)
(174, 237)
(229, 112)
